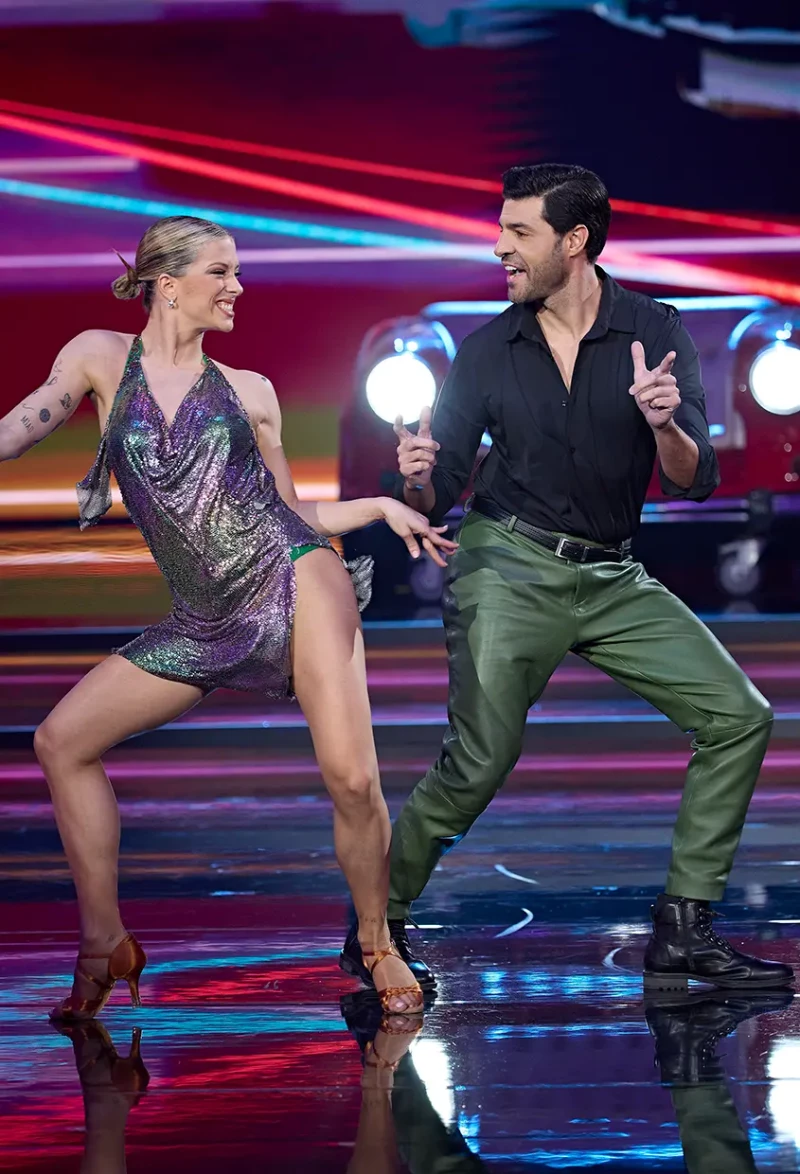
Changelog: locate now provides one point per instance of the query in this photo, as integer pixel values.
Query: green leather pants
(512, 612)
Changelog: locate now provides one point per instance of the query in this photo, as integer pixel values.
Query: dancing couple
(583, 386)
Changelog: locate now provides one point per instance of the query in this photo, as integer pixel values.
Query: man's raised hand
(656, 391)
(416, 455)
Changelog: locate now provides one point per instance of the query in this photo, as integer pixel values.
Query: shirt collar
(615, 313)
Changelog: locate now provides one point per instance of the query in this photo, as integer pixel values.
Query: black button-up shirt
(576, 462)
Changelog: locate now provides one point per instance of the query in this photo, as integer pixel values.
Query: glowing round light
(401, 385)
(775, 378)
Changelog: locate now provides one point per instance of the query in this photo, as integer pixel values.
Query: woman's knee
(57, 743)
(354, 787)
(46, 742)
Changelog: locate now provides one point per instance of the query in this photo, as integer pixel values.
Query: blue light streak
(723, 302)
(246, 221)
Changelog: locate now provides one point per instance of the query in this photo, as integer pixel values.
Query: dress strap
(94, 491)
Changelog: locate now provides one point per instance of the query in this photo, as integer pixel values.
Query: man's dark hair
(571, 195)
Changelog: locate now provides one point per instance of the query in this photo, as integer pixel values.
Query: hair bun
(127, 285)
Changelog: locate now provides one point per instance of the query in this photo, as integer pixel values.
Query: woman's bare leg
(330, 680)
(375, 1150)
(112, 702)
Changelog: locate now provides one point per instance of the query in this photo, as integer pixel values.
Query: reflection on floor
(252, 1052)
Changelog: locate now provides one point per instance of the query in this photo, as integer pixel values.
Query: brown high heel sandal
(393, 992)
(385, 1069)
(127, 1074)
(125, 963)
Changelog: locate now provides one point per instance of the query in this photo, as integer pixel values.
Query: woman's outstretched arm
(52, 403)
(330, 517)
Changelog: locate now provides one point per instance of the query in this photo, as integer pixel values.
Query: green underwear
(298, 551)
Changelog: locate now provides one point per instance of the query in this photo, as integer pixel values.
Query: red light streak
(689, 275)
(241, 147)
(418, 175)
(388, 209)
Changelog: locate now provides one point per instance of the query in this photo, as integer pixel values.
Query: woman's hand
(408, 523)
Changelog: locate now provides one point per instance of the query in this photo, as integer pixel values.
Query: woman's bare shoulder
(253, 388)
(98, 347)
(101, 355)
(103, 342)
(246, 378)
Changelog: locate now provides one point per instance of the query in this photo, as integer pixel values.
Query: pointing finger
(424, 429)
(400, 429)
(665, 366)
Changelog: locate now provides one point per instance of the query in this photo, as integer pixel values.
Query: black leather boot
(421, 971)
(351, 962)
(687, 1030)
(684, 946)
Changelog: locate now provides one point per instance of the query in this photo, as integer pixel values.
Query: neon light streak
(337, 162)
(243, 220)
(648, 270)
(241, 147)
(698, 246)
(743, 302)
(69, 164)
(635, 267)
(308, 255)
(619, 262)
(712, 219)
(333, 197)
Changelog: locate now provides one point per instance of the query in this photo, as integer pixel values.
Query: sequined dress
(210, 512)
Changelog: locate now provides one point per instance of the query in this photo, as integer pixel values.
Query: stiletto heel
(135, 1051)
(125, 962)
(133, 987)
(128, 1074)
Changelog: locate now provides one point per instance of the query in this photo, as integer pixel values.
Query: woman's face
(206, 294)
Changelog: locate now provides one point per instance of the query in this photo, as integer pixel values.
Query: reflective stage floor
(539, 1052)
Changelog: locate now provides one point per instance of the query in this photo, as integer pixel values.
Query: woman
(261, 601)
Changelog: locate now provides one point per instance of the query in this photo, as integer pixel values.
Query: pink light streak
(629, 264)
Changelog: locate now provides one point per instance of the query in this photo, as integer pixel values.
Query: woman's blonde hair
(169, 246)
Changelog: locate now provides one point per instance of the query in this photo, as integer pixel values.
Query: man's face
(533, 254)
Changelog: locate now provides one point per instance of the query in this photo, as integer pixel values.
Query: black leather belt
(568, 548)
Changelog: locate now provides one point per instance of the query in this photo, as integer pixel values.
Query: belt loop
(512, 522)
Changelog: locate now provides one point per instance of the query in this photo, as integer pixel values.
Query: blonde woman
(260, 600)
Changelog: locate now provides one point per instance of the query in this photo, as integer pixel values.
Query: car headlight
(775, 378)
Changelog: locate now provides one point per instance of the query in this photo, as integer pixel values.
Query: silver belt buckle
(562, 542)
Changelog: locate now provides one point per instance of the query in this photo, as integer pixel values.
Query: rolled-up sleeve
(691, 415)
(460, 418)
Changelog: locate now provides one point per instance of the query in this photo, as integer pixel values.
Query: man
(581, 385)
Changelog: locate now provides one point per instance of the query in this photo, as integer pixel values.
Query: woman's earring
(171, 303)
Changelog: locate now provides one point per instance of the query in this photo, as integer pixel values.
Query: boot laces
(705, 923)
(399, 931)
(709, 1047)
(715, 1036)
